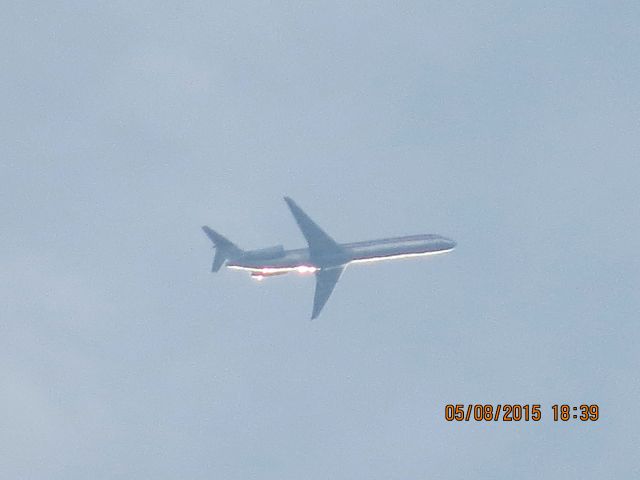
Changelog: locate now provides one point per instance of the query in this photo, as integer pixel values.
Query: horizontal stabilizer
(225, 249)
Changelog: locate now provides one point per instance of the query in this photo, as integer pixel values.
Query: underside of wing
(319, 241)
(326, 280)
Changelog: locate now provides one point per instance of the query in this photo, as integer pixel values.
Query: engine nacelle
(265, 253)
(261, 275)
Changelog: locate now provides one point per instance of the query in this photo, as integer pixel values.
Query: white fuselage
(277, 261)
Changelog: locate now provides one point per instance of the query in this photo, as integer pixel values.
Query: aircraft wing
(326, 280)
(319, 241)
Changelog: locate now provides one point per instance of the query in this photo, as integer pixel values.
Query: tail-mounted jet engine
(261, 275)
(264, 253)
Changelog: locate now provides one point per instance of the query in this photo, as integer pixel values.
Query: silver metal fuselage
(358, 252)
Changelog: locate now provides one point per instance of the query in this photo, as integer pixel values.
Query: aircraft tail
(225, 249)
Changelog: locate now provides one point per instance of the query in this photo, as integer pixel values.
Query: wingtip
(315, 313)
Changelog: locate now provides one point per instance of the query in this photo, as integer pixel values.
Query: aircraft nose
(450, 243)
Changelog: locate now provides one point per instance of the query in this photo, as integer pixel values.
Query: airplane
(325, 258)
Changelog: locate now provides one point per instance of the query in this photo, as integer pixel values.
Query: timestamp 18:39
(518, 412)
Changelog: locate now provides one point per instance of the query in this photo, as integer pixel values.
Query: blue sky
(510, 127)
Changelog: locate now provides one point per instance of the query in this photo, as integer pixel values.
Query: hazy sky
(512, 127)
